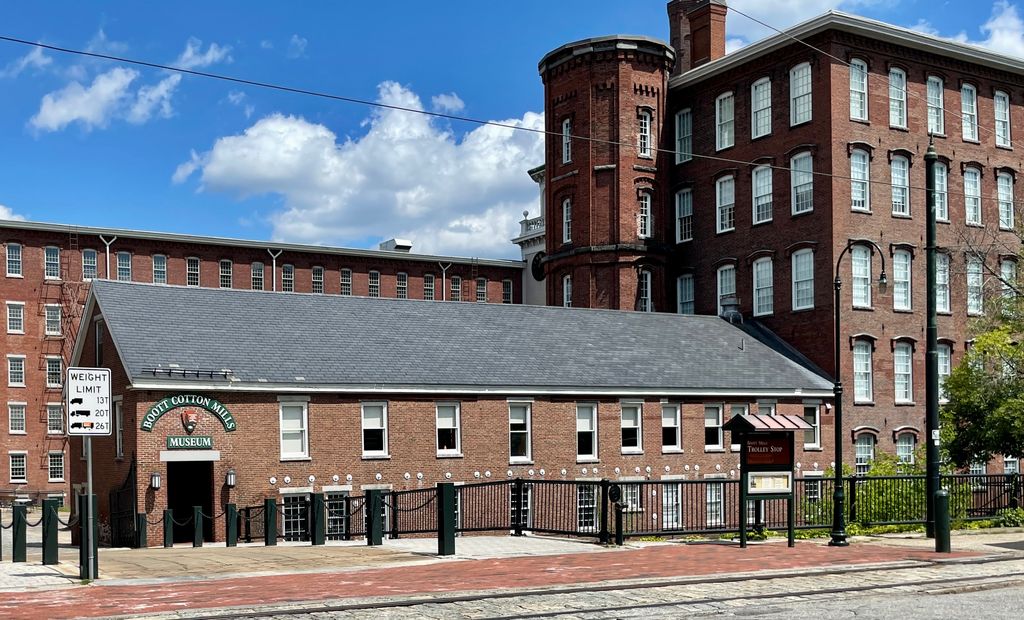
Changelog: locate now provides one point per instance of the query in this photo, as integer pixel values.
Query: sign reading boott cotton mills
(88, 401)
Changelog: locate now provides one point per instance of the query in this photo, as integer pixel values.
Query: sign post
(88, 406)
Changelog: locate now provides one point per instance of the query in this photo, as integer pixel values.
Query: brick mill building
(47, 270)
(299, 393)
(681, 179)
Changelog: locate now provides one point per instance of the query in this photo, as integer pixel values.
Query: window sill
(899, 128)
(938, 221)
(15, 385)
(450, 455)
(760, 314)
(761, 137)
(519, 462)
(808, 309)
(587, 460)
(628, 451)
(372, 457)
(864, 211)
(813, 449)
(864, 403)
(762, 222)
(807, 212)
(799, 123)
(14, 275)
(903, 310)
(56, 480)
(17, 433)
(708, 450)
(727, 230)
(672, 451)
(19, 481)
(863, 308)
(681, 241)
(1005, 229)
(972, 141)
(974, 224)
(905, 404)
(939, 135)
(1004, 147)
(289, 459)
(901, 216)
(862, 121)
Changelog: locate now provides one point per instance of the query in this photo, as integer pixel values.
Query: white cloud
(297, 46)
(407, 176)
(731, 45)
(6, 213)
(267, 45)
(100, 44)
(238, 98)
(447, 102)
(925, 27)
(35, 59)
(1004, 30)
(780, 14)
(155, 99)
(195, 58)
(91, 106)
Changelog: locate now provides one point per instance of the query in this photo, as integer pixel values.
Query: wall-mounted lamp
(154, 481)
(231, 479)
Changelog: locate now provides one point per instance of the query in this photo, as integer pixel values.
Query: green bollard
(168, 528)
(374, 526)
(231, 525)
(20, 528)
(270, 522)
(942, 521)
(141, 541)
(445, 518)
(85, 531)
(318, 518)
(49, 531)
(197, 526)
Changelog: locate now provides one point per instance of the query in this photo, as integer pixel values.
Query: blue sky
(96, 143)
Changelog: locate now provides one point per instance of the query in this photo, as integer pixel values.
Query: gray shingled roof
(353, 342)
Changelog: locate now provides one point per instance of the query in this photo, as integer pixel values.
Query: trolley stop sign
(88, 401)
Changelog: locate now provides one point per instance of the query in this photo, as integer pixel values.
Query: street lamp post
(838, 533)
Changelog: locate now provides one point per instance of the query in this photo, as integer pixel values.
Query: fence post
(317, 520)
(49, 531)
(247, 523)
(141, 541)
(270, 522)
(851, 503)
(231, 525)
(374, 525)
(620, 539)
(346, 505)
(603, 536)
(197, 526)
(1015, 491)
(19, 530)
(517, 514)
(445, 518)
(394, 516)
(168, 527)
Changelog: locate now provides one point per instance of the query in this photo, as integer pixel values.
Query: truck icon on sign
(80, 412)
(76, 401)
(81, 425)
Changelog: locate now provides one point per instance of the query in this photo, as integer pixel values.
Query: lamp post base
(838, 540)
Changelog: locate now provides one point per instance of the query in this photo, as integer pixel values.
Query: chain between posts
(183, 523)
(157, 522)
(70, 523)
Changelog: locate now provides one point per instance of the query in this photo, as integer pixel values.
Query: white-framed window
(643, 133)
(741, 409)
(860, 264)
(14, 260)
(645, 303)
(449, 436)
(860, 180)
(801, 175)
(941, 192)
(714, 504)
(1011, 465)
(761, 108)
(903, 374)
(566, 140)
(684, 136)
(374, 283)
(936, 120)
(124, 266)
(481, 290)
(725, 203)
(52, 319)
(905, 444)
(972, 195)
(726, 285)
(945, 355)
(863, 389)
(969, 111)
(54, 371)
(428, 286)
(671, 429)
(897, 98)
(519, 445)
(901, 280)
(456, 288)
(713, 435)
(192, 271)
(16, 418)
(118, 427)
(519, 506)
(978, 469)
(864, 452)
(1001, 103)
(975, 299)
(159, 269)
(684, 215)
(1008, 276)
(567, 291)
(15, 317)
(567, 220)
(375, 428)
(346, 281)
(812, 436)
(632, 498)
(257, 276)
(586, 431)
(1004, 194)
(506, 291)
(803, 279)
(645, 216)
(294, 425)
(631, 422)
(725, 122)
(764, 287)
(51, 262)
(401, 285)
(54, 419)
(800, 94)
(671, 507)
(942, 282)
(900, 174)
(317, 279)
(225, 273)
(55, 466)
(16, 371)
(288, 278)
(858, 89)
(19, 466)
(586, 507)
(761, 182)
(89, 265)
(684, 293)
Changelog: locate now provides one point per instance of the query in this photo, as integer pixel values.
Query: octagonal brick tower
(605, 201)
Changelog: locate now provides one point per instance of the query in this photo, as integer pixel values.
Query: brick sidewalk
(449, 575)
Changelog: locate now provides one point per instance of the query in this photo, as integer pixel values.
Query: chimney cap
(396, 245)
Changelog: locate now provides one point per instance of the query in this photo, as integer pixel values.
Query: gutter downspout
(273, 266)
(444, 287)
(103, 238)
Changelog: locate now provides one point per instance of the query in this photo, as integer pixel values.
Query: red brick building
(772, 160)
(46, 273)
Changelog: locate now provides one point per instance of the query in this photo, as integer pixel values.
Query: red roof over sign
(761, 422)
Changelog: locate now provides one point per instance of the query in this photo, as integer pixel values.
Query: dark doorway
(190, 483)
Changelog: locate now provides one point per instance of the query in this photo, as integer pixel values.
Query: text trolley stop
(766, 462)
(88, 409)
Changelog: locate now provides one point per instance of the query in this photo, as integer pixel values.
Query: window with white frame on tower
(725, 201)
(645, 215)
(684, 215)
(725, 134)
(897, 98)
(684, 136)
(567, 291)
(901, 280)
(801, 174)
(900, 176)
(643, 134)
(761, 108)
(862, 374)
(858, 89)
(566, 220)
(761, 180)
(566, 140)
(936, 120)
(800, 94)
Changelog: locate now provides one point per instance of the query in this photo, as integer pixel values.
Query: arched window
(800, 94)
(905, 444)
(901, 284)
(726, 285)
(864, 452)
(860, 180)
(900, 171)
(863, 390)
(860, 263)
(897, 98)
(858, 89)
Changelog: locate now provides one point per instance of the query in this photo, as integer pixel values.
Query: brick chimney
(696, 32)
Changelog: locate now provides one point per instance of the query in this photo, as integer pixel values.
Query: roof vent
(731, 310)
(396, 245)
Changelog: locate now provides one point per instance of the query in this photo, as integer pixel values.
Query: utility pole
(931, 373)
